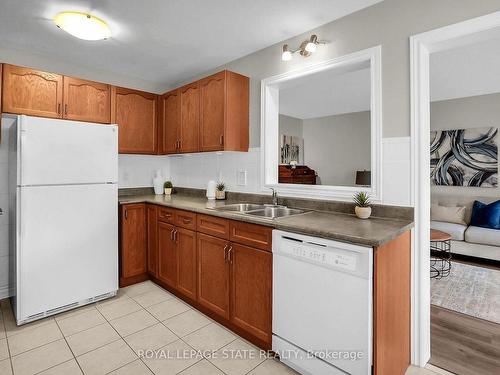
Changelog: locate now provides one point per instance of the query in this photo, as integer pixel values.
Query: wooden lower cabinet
(251, 290)
(213, 274)
(229, 281)
(167, 257)
(133, 255)
(152, 231)
(185, 241)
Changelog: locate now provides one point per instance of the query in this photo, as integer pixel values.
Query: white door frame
(421, 46)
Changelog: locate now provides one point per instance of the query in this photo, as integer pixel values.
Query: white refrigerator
(63, 214)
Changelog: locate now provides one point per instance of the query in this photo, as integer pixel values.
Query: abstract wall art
(464, 157)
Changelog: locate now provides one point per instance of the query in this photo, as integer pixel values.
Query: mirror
(323, 126)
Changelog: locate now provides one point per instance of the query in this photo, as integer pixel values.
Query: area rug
(469, 290)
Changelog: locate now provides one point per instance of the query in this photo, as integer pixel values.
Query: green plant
(221, 186)
(168, 185)
(362, 199)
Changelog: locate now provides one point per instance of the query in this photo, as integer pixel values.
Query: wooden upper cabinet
(31, 92)
(224, 112)
(171, 122)
(135, 113)
(251, 290)
(190, 118)
(87, 100)
(213, 112)
(133, 240)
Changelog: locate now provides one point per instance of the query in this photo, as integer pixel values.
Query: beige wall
(390, 24)
(290, 126)
(472, 112)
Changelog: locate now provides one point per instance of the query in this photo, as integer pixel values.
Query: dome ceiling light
(83, 25)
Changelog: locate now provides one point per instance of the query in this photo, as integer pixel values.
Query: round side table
(440, 254)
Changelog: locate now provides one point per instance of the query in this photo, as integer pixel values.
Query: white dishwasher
(322, 305)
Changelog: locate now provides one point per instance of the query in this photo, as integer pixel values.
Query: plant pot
(363, 212)
(168, 191)
(220, 194)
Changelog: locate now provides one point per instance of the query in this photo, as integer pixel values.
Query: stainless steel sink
(240, 207)
(275, 212)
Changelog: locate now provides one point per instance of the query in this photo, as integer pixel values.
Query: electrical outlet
(241, 179)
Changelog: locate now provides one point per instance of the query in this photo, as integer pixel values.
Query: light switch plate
(241, 179)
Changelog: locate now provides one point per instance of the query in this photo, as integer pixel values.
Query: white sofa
(468, 240)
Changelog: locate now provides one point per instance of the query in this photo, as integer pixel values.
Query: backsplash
(195, 170)
(138, 170)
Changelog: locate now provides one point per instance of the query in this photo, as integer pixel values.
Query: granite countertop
(332, 225)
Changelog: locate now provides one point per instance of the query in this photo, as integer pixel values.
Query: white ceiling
(165, 42)
(470, 70)
(326, 94)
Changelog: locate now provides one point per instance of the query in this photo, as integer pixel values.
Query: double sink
(260, 210)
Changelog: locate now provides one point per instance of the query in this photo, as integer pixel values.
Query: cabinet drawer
(185, 219)
(166, 215)
(253, 235)
(213, 225)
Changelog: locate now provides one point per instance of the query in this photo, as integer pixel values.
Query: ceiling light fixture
(306, 48)
(287, 54)
(83, 25)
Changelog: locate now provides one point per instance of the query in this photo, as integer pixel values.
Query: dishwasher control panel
(321, 254)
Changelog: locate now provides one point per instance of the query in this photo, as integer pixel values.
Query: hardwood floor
(464, 345)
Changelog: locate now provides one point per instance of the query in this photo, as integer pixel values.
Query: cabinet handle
(172, 234)
(225, 252)
(221, 140)
(58, 108)
(230, 254)
(175, 235)
(186, 221)
(126, 214)
(66, 109)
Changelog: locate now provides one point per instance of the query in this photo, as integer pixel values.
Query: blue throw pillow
(486, 215)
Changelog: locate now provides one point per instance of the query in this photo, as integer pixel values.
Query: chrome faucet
(275, 196)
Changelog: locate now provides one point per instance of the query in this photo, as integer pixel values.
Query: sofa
(466, 239)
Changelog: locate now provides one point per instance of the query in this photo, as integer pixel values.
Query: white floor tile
(92, 338)
(81, 322)
(187, 322)
(35, 337)
(237, 358)
(153, 297)
(107, 358)
(172, 359)
(66, 368)
(42, 358)
(202, 368)
(151, 338)
(210, 337)
(168, 309)
(133, 368)
(120, 308)
(128, 324)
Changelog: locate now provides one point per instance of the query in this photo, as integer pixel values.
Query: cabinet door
(167, 258)
(251, 290)
(171, 122)
(32, 92)
(186, 262)
(190, 117)
(86, 100)
(213, 274)
(213, 112)
(135, 114)
(133, 241)
(152, 230)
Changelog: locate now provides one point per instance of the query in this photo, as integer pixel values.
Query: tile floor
(110, 337)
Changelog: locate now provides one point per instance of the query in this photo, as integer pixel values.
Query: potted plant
(362, 209)
(167, 187)
(220, 191)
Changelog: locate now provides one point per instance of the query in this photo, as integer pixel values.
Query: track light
(306, 48)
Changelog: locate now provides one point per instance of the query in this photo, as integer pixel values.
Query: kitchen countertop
(331, 225)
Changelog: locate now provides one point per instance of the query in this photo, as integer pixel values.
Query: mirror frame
(270, 130)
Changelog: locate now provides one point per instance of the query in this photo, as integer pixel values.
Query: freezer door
(67, 246)
(56, 152)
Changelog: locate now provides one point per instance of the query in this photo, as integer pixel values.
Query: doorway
(429, 328)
